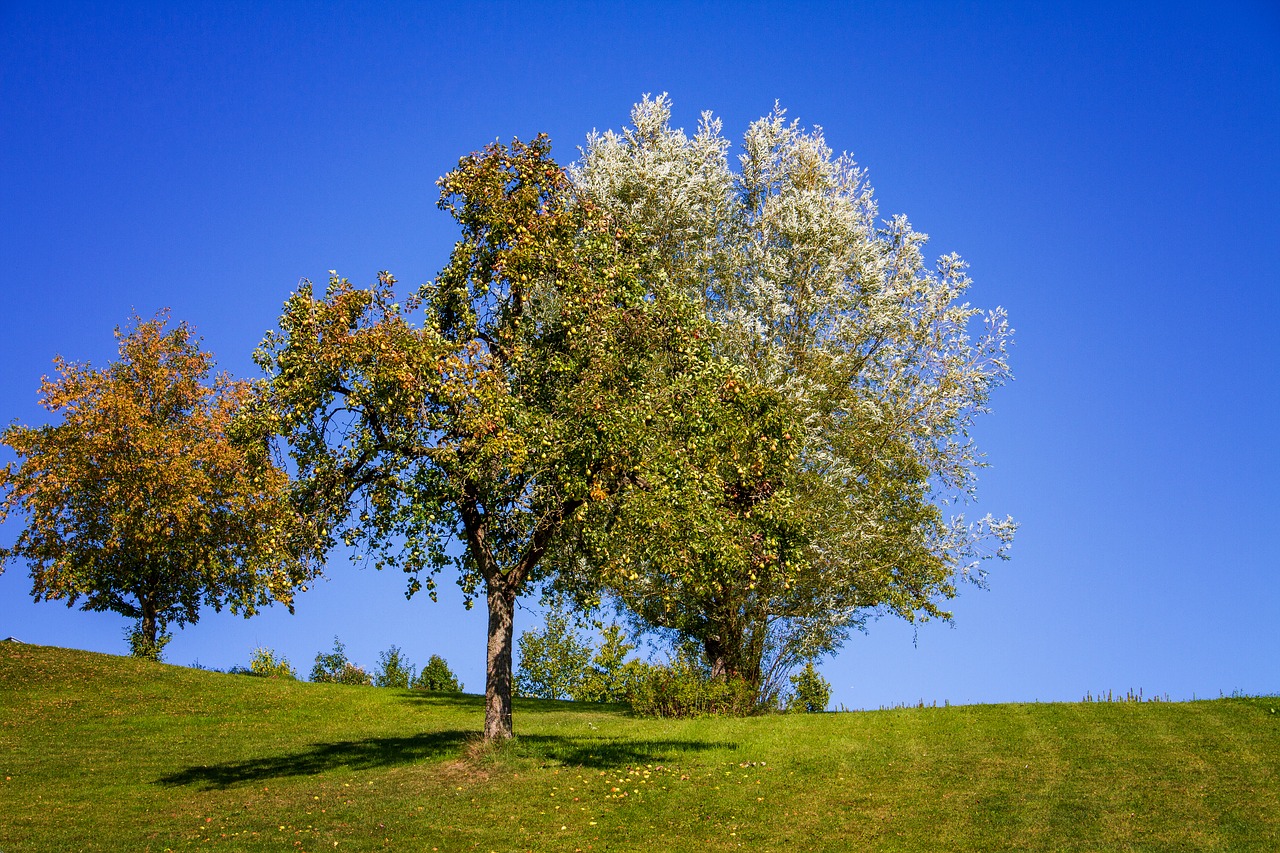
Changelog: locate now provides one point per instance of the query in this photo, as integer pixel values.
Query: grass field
(106, 753)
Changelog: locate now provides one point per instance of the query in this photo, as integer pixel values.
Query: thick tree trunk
(721, 667)
(501, 588)
(148, 621)
(497, 686)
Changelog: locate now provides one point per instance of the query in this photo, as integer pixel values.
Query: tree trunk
(148, 621)
(715, 651)
(497, 685)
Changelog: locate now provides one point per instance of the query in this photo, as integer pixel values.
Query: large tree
(864, 374)
(511, 405)
(140, 501)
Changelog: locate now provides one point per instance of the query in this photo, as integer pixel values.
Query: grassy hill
(106, 753)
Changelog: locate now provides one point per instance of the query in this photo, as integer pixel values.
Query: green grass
(107, 753)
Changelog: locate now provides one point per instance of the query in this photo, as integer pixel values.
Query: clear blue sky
(1110, 171)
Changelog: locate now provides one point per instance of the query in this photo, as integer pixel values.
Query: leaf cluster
(555, 662)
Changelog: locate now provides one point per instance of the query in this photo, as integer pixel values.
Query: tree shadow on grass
(523, 704)
(373, 753)
(467, 701)
(364, 754)
(609, 752)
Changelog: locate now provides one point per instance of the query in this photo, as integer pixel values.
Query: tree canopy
(737, 401)
(141, 502)
(515, 400)
(843, 434)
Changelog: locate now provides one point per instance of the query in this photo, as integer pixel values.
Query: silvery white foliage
(818, 297)
(676, 192)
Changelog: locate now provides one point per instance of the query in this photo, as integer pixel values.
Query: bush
(142, 648)
(334, 668)
(393, 670)
(812, 691)
(683, 689)
(436, 677)
(352, 674)
(264, 664)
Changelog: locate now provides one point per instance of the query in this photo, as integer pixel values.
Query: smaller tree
(335, 668)
(556, 663)
(553, 661)
(142, 502)
(527, 393)
(812, 691)
(436, 677)
(393, 670)
(611, 676)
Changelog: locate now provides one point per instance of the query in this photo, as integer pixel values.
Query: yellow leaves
(141, 474)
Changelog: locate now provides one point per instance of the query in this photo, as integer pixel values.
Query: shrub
(144, 649)
(436, 677)
(684, 689)
(334, 668)
(393, 670)
(812, 691)
(265, 664)
(352, 674)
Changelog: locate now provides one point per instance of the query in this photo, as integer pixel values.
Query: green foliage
(686, 688)
(265, 664)
(334, 668)
(144, 646)
(437, 677)
(810, 691)
(553, 660)
(393, 670)
(611, 677)
(557, 663)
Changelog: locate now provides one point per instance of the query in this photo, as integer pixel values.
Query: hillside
(106, 753)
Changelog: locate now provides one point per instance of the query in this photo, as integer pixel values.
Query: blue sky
(1110, 174)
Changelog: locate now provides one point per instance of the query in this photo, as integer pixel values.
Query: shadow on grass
(609, 752)
(459, 701)
(372, 753)
(364, 754)
(523, 704)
